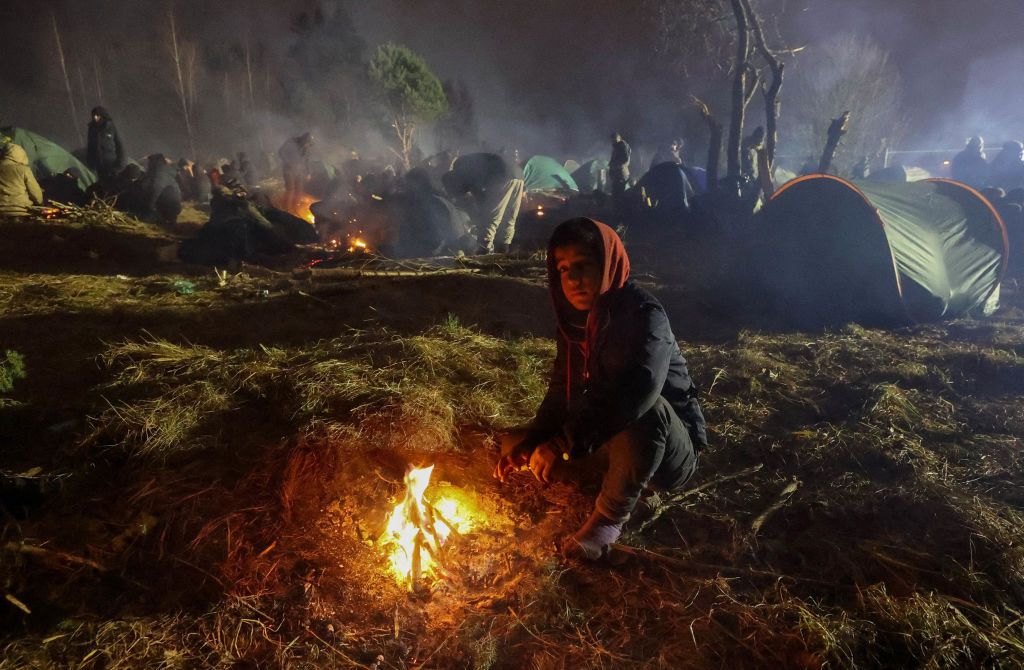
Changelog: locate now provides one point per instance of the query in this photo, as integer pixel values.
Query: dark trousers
(656, 450)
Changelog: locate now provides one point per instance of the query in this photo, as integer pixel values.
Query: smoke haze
(545, 77)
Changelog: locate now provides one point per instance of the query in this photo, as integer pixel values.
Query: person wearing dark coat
(237, 231)
(104, 152)
(163, 196)
(1008, 167)
(618, 383)
(430, 224)
(496, 186)
(971, 165)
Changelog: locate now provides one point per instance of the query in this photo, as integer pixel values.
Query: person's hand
(513, 458)
(542, 461)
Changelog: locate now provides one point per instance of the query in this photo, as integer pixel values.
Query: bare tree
(67, 80)
(726, 36)
(179, 68)
(851, 73)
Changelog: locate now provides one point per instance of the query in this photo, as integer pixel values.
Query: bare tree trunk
(185, 111)
(771, 93)
(67, 81)
(81, 87)
(248, 72)
(714, 143)
(836, 131)
(739, 90)
(96, 75)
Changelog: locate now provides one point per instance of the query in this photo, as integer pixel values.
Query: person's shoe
(591, 541)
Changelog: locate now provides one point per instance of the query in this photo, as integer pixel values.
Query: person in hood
(104, 153)
(971, 165)
(619, 382)
(19, 189)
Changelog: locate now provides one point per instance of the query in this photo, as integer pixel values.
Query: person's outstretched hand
(541, 462)
(513, 457)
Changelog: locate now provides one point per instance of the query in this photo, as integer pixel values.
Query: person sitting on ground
(64, 188)
(163, 196)
(19, 189)
(619, 382)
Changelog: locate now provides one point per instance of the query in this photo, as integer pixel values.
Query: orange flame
(417, 530)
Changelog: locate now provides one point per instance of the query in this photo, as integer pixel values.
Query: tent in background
(47, 158)
(828, 252)
(592, 175)
(543, 173)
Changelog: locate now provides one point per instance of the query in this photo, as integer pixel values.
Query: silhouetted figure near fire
(618, 384)
(971, 165)
(1008, 167)
(104, 152)
(64, 188)
(618, 173)
(294, 155)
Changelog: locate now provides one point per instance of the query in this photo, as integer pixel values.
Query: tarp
(591, 175)
(47, 158)
(831, 251)
(543, 173)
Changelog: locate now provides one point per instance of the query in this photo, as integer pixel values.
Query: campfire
(418, 530)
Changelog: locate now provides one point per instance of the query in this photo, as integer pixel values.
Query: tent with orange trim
(831, 251)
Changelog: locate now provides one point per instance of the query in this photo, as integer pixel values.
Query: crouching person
(619, 382)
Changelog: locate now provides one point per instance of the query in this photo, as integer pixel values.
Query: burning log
(418, 531)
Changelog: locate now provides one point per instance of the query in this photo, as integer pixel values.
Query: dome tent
(827, 252)
(543, 173)
(47, 158)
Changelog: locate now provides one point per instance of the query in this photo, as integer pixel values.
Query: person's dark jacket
(970, 167)
(163, 195)
(620, 155)
(481, 173)
(104, 152)
(610, 371)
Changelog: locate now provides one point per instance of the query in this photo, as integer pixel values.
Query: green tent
(828, 251)
(45, 157)
(543, 173)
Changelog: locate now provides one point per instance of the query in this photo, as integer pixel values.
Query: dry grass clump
(179, 397)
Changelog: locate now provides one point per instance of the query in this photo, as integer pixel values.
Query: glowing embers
(417, 530)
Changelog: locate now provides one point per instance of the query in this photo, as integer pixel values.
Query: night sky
(545, 73)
